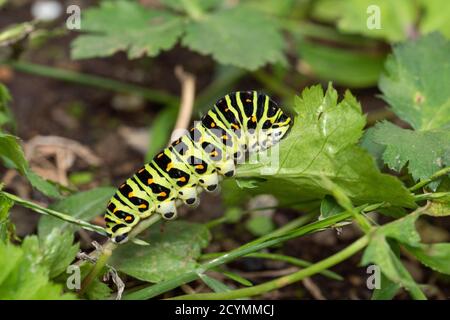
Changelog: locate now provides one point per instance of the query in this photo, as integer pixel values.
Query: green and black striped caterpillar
(239, 124)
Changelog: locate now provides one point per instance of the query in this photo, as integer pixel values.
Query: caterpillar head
(280, 126)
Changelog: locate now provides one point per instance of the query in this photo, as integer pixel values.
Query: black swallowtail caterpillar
(239, 124)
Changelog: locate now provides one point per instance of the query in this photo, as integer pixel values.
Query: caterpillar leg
(167, 210)
(209, 181)
(189, 195)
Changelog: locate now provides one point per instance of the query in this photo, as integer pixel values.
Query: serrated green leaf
(12, 153)
(239, 36)
(173, 251)
(416, 87)
(322, 143)
(46, 187)
(58, 251)
(126, 26)
(346, 67)
(416, 82)
(379, 253)
(423, 153)
(83, 205)
(5, 205)
(24, 276)
(435, 256)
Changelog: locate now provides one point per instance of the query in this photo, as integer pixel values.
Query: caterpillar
(238, 125)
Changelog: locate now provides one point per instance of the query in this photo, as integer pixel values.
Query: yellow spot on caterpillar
(163, 194)
(248, 100)
(235, 126)
(226, 109)
(169, 166)
(213, 124)
(253, 118)
(143, 206)
(214, 153)
(149, 181)
(200, 166)
(131, 195)
(182, 179)
(159, 155)
(225, 137)
(122, 185)
(128, 218)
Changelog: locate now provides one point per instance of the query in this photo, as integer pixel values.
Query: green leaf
(329, 207)
(97, 289)
(12, 153)
(346, 67)
(5, 224)
(24, 276)
(423, 153)
(213, 284)
(239, 36)
(58, 251)
(83, 205)
(416, 87)
(322, 143)
(416, 82)
(380, 252)
(388, 289)
(435, 256)
(260, 225)
(6, 116)
(186, 6)
(171, 252)
(46, 187)
(236, 277)
(126, 26)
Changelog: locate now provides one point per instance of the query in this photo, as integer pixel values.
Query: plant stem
(431, 196)
(271, 83)
(42, 210)
(94, 81)
(278, 257)
(435, 176)
(286, 280)
(108, 248)
(253, 246)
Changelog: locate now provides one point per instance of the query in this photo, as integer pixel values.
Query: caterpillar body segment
(239, 124)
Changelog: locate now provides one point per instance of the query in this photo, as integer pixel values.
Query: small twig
(313, 289)
(187, 81)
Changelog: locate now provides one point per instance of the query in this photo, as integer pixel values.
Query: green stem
(35, 207)
(431, 196)
(283, 281)
(278, 257)
(108, 248)
(253, 246)
(94, 81)
(435, 176)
